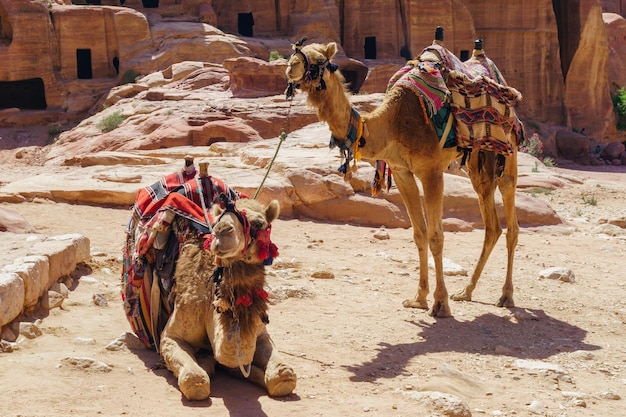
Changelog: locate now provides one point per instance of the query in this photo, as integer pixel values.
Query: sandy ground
(355, 349)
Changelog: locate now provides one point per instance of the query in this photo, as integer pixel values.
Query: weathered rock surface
(571, 57)
(304, 179)
(31, 264)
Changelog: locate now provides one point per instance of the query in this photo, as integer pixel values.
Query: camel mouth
(224, 249)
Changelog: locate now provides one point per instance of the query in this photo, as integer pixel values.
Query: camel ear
(331, 50)
(272, 211)
(216, 210)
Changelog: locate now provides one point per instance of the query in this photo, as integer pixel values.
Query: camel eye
(257, 224)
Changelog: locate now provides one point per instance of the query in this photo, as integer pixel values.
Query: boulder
(12, 221)
(612, 151)
(573, 146)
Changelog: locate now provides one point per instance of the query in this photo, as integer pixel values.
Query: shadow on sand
(240, 396)
(537, 337)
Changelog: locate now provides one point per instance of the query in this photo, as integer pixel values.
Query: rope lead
(281, 138)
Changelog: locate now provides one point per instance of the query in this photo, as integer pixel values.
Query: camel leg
(423, 235)
(433, 197)
(483, 181)
(269, 370)
(179, 357)
(507, 184)
(411, 197)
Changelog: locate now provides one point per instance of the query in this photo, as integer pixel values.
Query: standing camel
(398, 133)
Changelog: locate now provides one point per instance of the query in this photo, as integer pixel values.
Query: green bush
(111, 122)
(274, 55)
(619, 105)
(129, 77)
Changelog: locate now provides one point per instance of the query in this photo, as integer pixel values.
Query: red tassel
(208, 240)
(261, 293)
(244, 299)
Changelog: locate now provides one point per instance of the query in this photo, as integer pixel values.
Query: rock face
(587, 93)
(559, 55)
(616, 33)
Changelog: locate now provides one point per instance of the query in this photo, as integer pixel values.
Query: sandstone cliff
(62, 57)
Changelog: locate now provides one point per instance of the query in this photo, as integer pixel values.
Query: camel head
(307, 64)
(242, 231)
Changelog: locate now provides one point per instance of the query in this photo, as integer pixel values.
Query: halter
(312, 72)
(229, 207)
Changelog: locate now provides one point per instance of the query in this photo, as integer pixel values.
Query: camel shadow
(537, 336)
(241, 397)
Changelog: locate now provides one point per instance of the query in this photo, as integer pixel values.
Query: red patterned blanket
(151, 250)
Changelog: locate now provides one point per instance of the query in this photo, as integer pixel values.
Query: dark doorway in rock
(567, 14)
(6, 30)
(245, 22)
(27, 94)
(116, 65)
(83, 64)
(370, 47)
(150, 4)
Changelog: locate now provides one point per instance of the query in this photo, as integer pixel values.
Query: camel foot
(506, 301)
(440, 310)
(283, 383)
(195, 387)
(461, 296)
(415, 304)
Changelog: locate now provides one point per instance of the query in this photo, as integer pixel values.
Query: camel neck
(333, 105)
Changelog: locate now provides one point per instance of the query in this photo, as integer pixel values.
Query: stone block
(64, 252)
(11, 297)
(33, 270)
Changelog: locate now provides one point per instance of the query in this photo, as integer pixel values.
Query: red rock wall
(521, 37)
(537, 44)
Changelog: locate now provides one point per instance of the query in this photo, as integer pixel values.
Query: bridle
(261, 237)
(229, 207)
(312, 72)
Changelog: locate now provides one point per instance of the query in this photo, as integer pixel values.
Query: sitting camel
(220, 304)
(399, 134)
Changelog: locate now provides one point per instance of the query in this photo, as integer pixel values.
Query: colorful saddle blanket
(480, 100)
(151, 250)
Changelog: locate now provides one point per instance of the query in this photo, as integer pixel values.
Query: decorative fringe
(382, 176)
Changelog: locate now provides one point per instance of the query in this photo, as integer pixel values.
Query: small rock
(323, 275)
(99, 300)
(443, 403)
(609, 395)
(88, 280)
(583, 355)
(449, 268)
(280, 263)
(84, 341)
(382, 234)
(521, 315)
(125, 340)
(557, 272)
(61, 288)
(52, 300)
(538, 366)
(503, 350)
(609, 229)
(536, 407)
(574, 395)
(30, 330)
(619, 222)
(86, 364)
